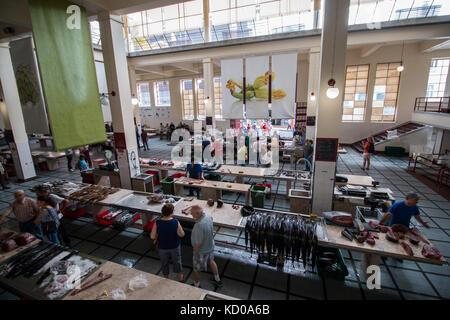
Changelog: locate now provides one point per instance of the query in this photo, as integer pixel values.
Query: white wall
(413, 83)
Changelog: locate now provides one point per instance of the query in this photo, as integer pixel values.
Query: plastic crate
(258, 194)
(178, 175)
(268, 185)
(213, 177)
(75, 211)
(167, 185)
(106, 222)
(394, 151)
(155, 176)
(128, 223)
(149, 226)
(340, 273)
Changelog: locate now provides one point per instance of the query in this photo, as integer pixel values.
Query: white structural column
(328, 116)
(133, 87)
(313, 89)
(20, 148)
(208, 76)
(316, 7)
(116, 70)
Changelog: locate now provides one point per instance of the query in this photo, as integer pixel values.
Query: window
(162, 93)
(355, 92)
(143, 92)
(201, 98)
(218, 97)
(385, 93)
(187, 95)
(437, 77)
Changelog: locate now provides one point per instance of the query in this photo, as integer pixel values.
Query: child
(48, 218)
(82, 164)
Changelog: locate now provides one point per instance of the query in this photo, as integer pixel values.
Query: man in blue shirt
(194, 171)
(401, 212)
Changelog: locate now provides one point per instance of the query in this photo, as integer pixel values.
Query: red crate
(178, 175)
(79, 212)
(103, 221)
(155, 176)
(149, 226)
(137, 217)
(268, 185)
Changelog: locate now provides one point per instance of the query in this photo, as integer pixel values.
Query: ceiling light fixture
(332, 92)
(400, 68)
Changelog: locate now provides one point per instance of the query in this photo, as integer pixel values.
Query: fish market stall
(211, 189)
(39, 270)
(363, 181)
(382, 247)
(348, 197)
(23, 272)
(138, 285)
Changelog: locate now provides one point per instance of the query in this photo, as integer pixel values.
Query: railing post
(426, 102)
(415, 104)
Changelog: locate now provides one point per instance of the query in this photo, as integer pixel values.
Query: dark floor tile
(106, 253)
(121, 240)
(127, 259)
(271, 278)
(412, 281)
(266, 294)
(86, 246)
(342, 290)
(140, 246)
(148, 265)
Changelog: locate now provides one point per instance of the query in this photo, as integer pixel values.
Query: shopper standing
(3, 176)
(202, 239)
(48, 219)
(87, 156)
(82, 165)
(369, 148)
(59, 204)
(26, 210)
(144, 138)
(168, 231)
(69, 157)
(309, 150)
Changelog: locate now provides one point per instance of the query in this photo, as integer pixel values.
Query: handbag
(49, 226)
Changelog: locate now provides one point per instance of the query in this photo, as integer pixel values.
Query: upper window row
(386, 88)
(161, 92)
(385, 93)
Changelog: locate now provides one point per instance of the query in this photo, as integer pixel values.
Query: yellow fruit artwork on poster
(257, 87)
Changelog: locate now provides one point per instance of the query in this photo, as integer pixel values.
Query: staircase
(404, 128)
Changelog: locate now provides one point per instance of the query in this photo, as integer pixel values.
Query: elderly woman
(168, 231)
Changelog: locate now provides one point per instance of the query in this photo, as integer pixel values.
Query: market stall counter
(211, 189)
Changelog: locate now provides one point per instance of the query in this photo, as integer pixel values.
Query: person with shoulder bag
(166, 233)
(48, 218)
(369, 149)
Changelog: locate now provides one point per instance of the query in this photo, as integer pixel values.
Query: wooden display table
(107, 178)
(54, 160)
(158, 288)
(210, 189)
(225, 216)
(364, 181)
(42, 140)
(382, 246)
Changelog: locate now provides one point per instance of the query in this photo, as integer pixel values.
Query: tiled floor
(243, 277)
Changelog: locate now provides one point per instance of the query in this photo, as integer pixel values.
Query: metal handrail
(432, 104)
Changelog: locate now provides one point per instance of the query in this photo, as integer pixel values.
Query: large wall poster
(257, 87)
(232, 89)
(27, 78)
(68, 75)
(284, 73)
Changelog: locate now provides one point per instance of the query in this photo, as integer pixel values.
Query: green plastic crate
(394, 151)
(167, 185)
(258, 194)
(213, 177)
(340, 272)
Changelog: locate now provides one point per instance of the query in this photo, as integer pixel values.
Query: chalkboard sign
(311, 121)
(326, 149)
(209, 121)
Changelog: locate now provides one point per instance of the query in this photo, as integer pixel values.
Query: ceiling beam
(368, 50)
(186, 66)
(155, 70)
(428, 46)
